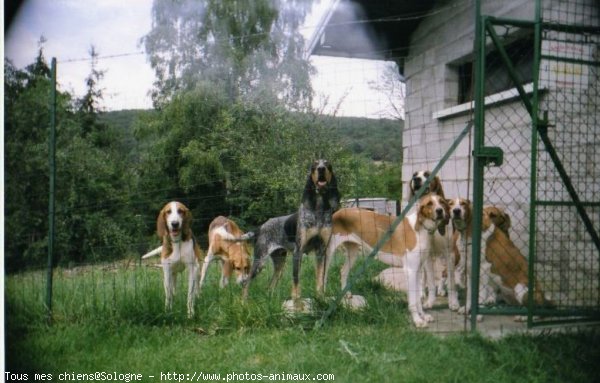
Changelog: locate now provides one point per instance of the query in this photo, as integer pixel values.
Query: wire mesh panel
(504, 274)
(567, 249)
(549, 260)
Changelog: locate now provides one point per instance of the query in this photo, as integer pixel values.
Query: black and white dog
(307, 230)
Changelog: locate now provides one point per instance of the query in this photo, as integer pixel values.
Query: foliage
(247, 160)
(380, 140)
(89, 105)
(249, 49)
(92, 177)
(223, 158)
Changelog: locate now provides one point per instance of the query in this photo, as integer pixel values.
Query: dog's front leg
(321, 260)
(168, 285)
(351, 256)
(453, 303)
(430, 280)
(296, 263)
(192, 287)
(225, 273)
(412, 269)
(465, 253)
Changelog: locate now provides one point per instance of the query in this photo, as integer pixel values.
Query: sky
(346, 87)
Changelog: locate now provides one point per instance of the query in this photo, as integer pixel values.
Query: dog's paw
(355, 302)
(298, 306)
(440, 290)
(420, 323)
(428, 318)
(453, 304)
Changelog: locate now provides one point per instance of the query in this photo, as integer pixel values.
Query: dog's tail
(249, 236)
(152, 253)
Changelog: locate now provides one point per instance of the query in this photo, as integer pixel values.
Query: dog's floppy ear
(310, 185)
(445, 222)
(161, 224)
(500, 219)
(334, 193)
(187, 224)
(436, 186)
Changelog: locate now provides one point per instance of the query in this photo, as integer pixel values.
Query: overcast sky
(115, 27)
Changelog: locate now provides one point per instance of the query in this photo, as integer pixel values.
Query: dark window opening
(496, 76)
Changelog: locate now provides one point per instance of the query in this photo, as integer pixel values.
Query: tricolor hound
(418, 180)
(179, 250)
(309, 229)
(354, 228)
(224, 243)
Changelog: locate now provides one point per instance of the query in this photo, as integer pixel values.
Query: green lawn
(112, 320)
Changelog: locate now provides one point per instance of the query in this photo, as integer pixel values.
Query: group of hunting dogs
(438, 229)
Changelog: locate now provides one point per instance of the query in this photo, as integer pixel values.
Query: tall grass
(111, 318)
(130, 292)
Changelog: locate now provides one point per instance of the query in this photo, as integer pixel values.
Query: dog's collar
(430, 230)
(460, 225)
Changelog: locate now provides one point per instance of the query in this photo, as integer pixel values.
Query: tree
(93, 177)
(252, 49)
(391, 83)
(26, 157)
(89, 105)
(243, 159)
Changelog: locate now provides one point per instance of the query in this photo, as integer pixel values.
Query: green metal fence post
(533, 175)
(51, 207)
(478, 162)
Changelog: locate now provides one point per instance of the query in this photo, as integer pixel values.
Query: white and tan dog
(179, 251)
(504, 269)
(409, 245)
(510, 269)
(224, 243)
(462, 221)
(441, 242)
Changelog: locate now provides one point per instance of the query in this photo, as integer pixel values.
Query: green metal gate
(537, 116)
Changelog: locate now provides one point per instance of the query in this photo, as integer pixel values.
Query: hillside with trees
(379, 140)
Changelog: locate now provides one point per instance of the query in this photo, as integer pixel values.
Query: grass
(112, 319)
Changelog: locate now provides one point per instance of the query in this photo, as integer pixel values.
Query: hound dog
(418, 180)
(463, 207)
(275, 239)
(441, 243)
(179, 250)
(504, 269)
(462, 221)
(309, 229)
(224, 244)
(411, 241)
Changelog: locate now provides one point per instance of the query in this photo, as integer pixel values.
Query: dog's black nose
(439, 211)
(321, 172)
(456, 212)
(175, 224)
